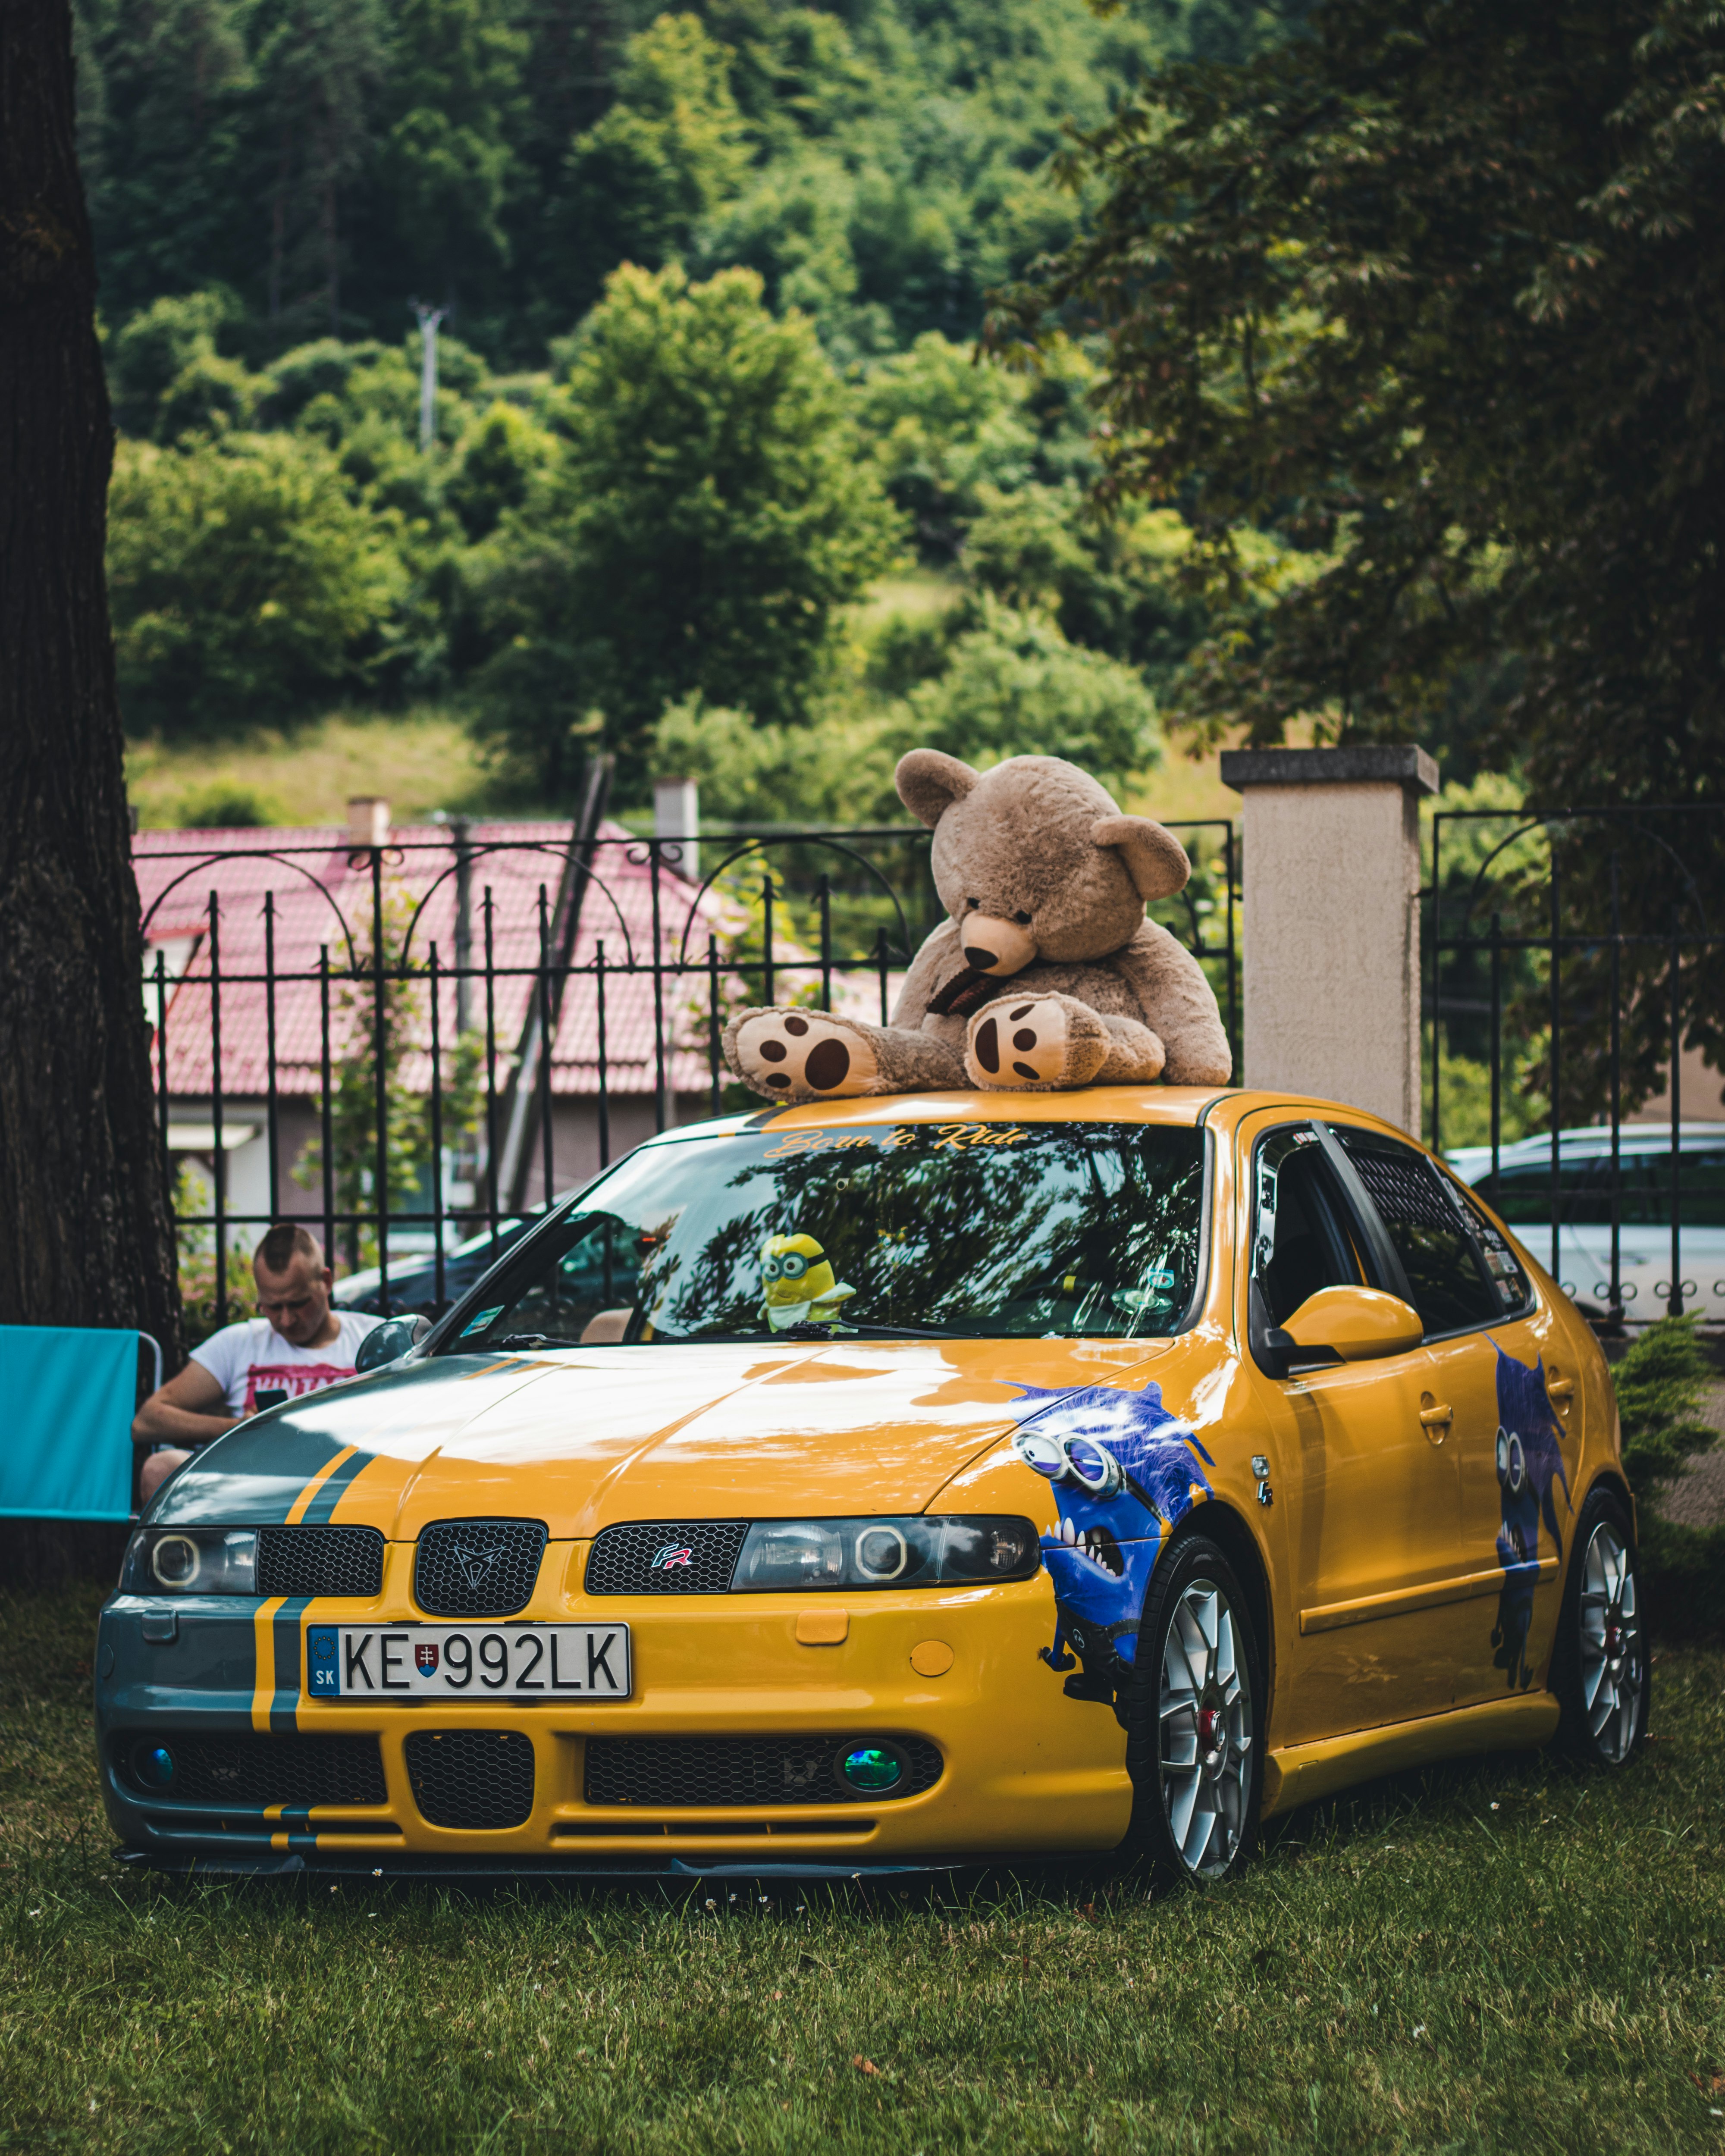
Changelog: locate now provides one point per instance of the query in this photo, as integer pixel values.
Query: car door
(1371, 1508)
(1501, 1389)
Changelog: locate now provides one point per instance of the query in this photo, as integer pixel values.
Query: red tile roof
(322, 900)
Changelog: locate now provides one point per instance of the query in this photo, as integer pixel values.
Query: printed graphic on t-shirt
(251, 1357)
(295, 1379)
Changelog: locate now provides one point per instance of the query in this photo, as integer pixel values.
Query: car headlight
(789, 1556)
(191, 1561)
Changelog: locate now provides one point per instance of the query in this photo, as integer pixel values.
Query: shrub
(1015, 686)
(1659, 1383)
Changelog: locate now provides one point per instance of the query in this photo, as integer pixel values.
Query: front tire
(1194, 1744)
(1601, 1672)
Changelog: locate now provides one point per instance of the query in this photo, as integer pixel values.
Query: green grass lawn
(1499, 1955)
(418, 761)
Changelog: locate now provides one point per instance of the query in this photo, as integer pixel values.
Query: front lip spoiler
(504, 1872)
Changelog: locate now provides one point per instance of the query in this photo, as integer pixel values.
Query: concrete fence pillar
(1331, 929)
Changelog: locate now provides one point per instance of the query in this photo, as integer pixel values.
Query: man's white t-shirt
(252, 1356)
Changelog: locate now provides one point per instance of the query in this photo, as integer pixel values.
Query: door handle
(1561, 1388)
(1434, 1415)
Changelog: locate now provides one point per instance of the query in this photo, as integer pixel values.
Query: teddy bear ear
(1155, 860)
(929, 783)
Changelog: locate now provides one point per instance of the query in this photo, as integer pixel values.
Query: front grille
(321, 1561)
(666, 1557)
(265, 1770)
(471, 1778)
(478, 1568)
(741, 1770)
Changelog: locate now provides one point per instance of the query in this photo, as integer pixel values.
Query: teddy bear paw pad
(804, 1056)
(1033, 1043)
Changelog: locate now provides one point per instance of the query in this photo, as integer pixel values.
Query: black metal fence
(383, 1008)
(1571, 962)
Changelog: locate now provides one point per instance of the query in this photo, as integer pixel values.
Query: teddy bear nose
(994, 946)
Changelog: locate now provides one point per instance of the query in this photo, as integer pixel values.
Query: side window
(1432, 1232)
(1514, 1289)
(1300, 1239)
(598, 1270)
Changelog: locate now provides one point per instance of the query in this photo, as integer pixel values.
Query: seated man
(299, 1344)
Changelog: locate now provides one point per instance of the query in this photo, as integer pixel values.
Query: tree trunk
(85, 1233)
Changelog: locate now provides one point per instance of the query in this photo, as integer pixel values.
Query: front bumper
(1024, 1770)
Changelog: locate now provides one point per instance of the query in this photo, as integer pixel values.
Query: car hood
(582, 1437)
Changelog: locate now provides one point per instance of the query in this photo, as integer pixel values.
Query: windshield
(974, 1229)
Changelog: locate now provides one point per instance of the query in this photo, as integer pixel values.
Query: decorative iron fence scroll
(1571, 961)
(437, 997)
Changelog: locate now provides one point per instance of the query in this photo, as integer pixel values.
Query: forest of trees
(320, 163)
(713, 281)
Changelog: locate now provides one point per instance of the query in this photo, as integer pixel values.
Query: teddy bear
(1045, 975)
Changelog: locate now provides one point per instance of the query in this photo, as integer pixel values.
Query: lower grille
(471, 1778)
(261, 1770)
(708, 1830)
(321, 1561)
(666, 1557)
(668, 1771)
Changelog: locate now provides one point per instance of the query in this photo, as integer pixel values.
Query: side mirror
(389, 1342)
(1353, 1325)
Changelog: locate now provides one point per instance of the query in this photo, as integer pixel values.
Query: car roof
(1169, 1105)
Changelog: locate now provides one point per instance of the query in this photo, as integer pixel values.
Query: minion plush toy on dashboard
(800, 1288)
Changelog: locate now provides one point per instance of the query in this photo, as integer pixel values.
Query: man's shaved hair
(285, 1241)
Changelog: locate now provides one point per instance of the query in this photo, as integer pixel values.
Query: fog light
(154, 1765)
(872, 1768)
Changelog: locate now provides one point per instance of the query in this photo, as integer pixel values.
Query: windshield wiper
(535, 1340)
(846, 1332)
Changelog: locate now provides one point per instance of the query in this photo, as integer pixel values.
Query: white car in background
(1523, 1200)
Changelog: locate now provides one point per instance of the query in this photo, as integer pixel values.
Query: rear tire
(1600, 1670)
(1194, 1742)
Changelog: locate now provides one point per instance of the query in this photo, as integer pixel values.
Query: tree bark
(86, 1237)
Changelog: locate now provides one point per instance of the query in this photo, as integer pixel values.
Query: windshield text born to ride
(960, 1229)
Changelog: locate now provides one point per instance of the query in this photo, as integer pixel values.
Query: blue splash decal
(1125, 1473)
(1530, 1466)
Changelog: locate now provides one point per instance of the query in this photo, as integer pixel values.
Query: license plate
(467, 1662)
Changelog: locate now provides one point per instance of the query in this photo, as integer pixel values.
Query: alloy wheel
(1206, 1731)
(1611, 1644)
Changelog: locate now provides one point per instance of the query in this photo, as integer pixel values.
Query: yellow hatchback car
(897, 1483)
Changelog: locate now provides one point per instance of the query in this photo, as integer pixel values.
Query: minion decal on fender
(1529, 1466)
(1125, 1472)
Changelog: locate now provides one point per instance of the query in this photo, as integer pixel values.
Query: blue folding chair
(70, 1393)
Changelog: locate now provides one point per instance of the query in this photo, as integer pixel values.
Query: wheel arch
(1609, 1480)
(1612, 1479)
(1228, 1529)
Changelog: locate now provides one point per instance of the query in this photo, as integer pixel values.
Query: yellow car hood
(581, 1437)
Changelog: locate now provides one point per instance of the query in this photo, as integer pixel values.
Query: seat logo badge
(476, 1564)
(672, 1554)
(425, 1657)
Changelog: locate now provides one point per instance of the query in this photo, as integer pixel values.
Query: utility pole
(461, 827)
(429, 319)
(460, 830)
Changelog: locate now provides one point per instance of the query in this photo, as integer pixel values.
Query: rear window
(965, 1229)
(1432, 1228)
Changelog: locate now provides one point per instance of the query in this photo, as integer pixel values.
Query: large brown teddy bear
(1045, 882)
